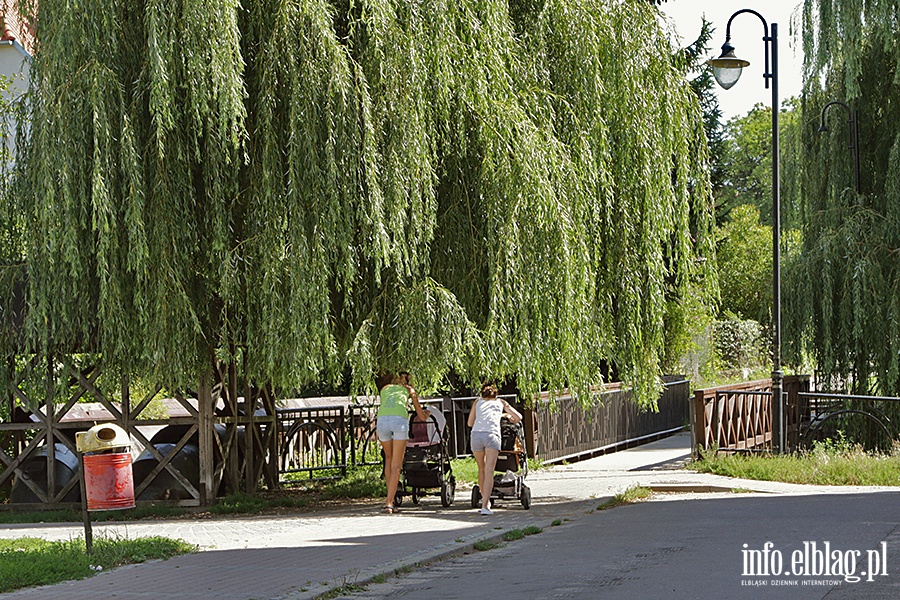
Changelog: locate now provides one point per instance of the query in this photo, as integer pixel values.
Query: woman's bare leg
(394, 451)
(479, 459)
(490, 461)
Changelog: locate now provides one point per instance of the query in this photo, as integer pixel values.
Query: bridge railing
(738, 417)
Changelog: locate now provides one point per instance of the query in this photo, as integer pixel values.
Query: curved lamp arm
(853, 135)
(728, 48)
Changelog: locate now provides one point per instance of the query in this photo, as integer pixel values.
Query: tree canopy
(744, 258)
(747, 164)
(847, 288)
(495, 187)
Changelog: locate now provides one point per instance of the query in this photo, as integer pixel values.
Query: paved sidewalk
(303, 556)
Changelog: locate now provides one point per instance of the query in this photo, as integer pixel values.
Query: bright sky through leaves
(746, 37)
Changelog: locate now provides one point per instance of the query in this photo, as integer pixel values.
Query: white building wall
(14, 66)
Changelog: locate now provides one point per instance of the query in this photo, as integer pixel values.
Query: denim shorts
(482, 440)
(392, 427)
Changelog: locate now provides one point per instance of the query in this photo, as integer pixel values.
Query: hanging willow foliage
(501, 188)
(846, 289)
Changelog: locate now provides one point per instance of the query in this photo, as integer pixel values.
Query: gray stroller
(511, 468)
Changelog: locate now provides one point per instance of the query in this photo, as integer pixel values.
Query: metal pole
(85, 515)
(855, 131)
(852, 137)
(778, 424)
(770, 43)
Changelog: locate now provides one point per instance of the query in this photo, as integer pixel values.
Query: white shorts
(392, 427)
(482, 440)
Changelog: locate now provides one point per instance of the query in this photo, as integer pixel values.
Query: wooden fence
(214, 442)
(568, 431)
(221, 437)
(739, 417)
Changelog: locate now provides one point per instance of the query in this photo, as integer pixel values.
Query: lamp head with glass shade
(727, 68)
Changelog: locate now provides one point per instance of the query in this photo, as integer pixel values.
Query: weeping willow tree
(490, 187)
(848, 282)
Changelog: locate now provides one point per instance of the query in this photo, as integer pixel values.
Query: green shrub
(739, 344)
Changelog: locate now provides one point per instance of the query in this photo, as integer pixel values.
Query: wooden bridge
(738, 418)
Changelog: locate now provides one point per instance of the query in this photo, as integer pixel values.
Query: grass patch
(484, 545)
(142, 511)
(466, 469)
(242, 504)
(518, 534)
(28, 562)
(629, 496)
(39, 516)
(360, 483)
(826, 464)
(535, 465)
(347, 588)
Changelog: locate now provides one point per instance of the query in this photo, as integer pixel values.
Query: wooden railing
(738, 417)
(568, 431)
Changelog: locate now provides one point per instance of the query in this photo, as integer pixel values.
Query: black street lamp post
(853, 132)
(727, 70)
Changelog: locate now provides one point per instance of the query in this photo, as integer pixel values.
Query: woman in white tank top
(484, 419)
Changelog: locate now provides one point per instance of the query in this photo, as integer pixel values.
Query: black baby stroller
(511, 468)
(426, 463)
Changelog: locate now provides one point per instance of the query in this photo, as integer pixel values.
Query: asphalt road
(685, 546)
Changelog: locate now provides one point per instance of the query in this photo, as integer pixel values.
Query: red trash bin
(108, 476)
(108, 481)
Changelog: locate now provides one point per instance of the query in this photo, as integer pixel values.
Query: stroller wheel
(447, 490)
(398, 498)
(415, 496)
(476, 497)
(526, 497)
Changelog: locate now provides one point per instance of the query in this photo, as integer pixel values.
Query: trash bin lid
(104, 436)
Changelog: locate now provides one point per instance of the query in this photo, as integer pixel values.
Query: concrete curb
(693, 488)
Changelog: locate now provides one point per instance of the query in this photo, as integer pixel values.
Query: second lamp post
(853, 144)
(727, 70)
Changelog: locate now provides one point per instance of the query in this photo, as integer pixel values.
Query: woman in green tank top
(393, 430)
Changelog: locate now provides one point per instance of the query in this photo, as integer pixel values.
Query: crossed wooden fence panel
(739, 417)
(44, 403)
